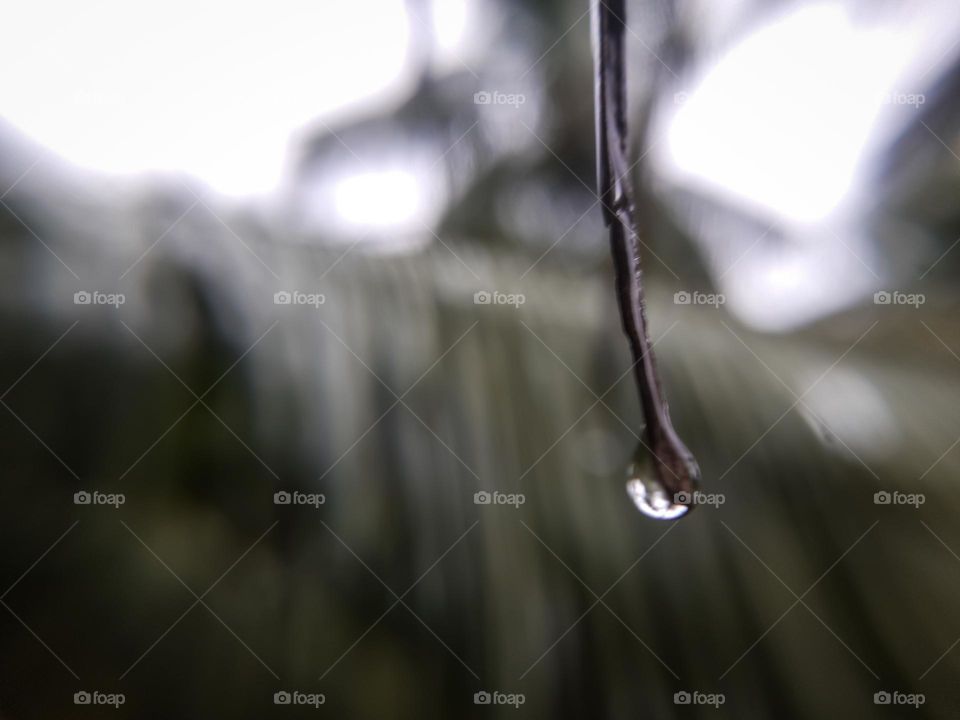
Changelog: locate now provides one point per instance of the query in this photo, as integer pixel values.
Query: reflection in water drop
(663, 490)
(652, 499)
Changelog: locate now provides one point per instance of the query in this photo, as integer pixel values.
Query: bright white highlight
(214, 89)
(778, 288)
(387, 199)
(449, 23)
(780, 123)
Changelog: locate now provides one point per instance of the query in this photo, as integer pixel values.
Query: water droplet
(653, 500)
(649, 494)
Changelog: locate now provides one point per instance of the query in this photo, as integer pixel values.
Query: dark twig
(675, 470)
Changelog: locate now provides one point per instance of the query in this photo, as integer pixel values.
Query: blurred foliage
(398, 399)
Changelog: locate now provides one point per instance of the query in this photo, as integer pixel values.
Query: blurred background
(315, 400)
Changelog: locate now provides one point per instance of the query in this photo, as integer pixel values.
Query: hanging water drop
(651, 496)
